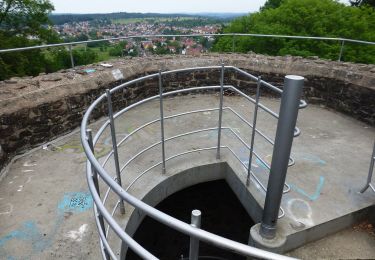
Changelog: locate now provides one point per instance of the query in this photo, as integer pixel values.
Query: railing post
(114, 145)
(220, 111)
(71, 56)
(96, 183)
(280, 158)
(370, 172)
(162, 120)
(194, 242)
(253, 130)
(233, 42)
(341, 49)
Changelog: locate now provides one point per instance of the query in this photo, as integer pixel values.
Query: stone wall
(36, 110)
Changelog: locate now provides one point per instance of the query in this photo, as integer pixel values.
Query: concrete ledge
(34, 111)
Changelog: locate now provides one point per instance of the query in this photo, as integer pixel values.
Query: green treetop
(325, 18)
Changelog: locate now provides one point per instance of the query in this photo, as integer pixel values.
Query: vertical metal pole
(280, 158)
(96, 183)
(341, 50)
(233, 43)
(253, 130)
(71, 56)
(194, 242)
(220, 111)
(114, 145)
(370, 172)
(162, 120)
(94, 173)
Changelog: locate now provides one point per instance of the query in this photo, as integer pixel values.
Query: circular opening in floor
(222, 214)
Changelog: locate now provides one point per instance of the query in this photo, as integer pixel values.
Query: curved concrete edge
(35, 115)
(187, 178)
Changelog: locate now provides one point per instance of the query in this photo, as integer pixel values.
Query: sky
(156, 6)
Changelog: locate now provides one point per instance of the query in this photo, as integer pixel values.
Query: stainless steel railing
(233, 35)
(370, 172)
(95, 170)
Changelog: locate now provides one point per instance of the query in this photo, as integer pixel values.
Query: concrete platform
(46, 209)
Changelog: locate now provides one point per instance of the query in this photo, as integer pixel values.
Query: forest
(320, 18)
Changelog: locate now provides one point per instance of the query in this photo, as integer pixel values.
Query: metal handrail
(70, 44)
(370, 172)
(44, 46)
(95, 169)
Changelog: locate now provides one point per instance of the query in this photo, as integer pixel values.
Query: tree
(82, 37)
(24, 23)
(270, 4)
(327, 18)
(118, 49)
(25, 17)
(362, 2)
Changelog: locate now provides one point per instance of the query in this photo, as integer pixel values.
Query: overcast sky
(158, 6)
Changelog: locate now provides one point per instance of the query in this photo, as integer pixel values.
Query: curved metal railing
(233, 35)
(95, 169)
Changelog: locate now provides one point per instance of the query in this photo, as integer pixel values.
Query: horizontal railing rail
(96, 171)
(185, 35)
(298, 37)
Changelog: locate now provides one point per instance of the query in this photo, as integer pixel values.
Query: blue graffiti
(314, 159)
(28, 232)
(317, 192)
(261, 164)
(75, 202)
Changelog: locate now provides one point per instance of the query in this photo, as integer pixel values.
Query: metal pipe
(186, 35)
(171, 222)
(114, 145)
(220, 111)
(168, 159)
(253, 130)
(303, 103)
(341, 49)
(174, 156)
(233, 42)
(167, 220)
(114, 225)
(106, 249)
(96, 183)
(194, 242)
(166, 140)
(281, 153)
(71, 56)
(163, 218)
(266, 109)
(162, 121)
(186, 113)
(370, 172)
(94, 173)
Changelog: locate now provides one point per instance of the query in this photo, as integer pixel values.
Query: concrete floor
(46, 209)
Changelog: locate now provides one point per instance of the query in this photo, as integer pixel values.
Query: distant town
(114, 28)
